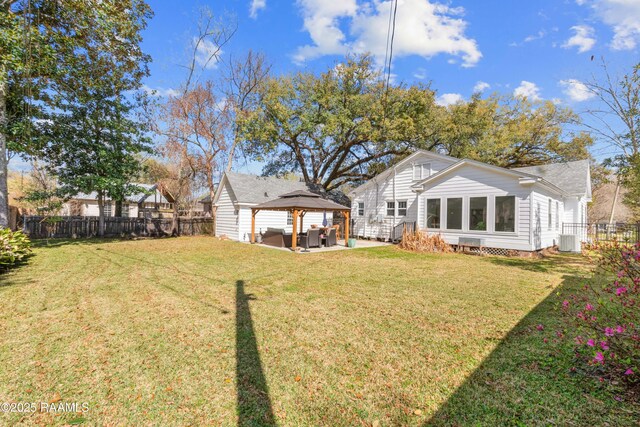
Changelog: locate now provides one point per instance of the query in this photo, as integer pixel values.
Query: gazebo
(299, 203)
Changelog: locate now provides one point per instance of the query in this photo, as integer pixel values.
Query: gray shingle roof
(301, 199)
(259, 189)
(571, 177)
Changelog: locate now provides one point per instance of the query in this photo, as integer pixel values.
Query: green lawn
(193, 331)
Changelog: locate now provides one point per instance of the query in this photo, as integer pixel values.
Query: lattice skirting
(499, 252)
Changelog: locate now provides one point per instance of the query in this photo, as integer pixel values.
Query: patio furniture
(337, 227)
(330, 238)
(311, 239)
(299, 203)
(277, 237)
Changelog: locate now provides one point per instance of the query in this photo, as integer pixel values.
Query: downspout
(395, 203)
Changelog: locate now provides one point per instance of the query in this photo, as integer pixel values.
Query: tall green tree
(90, 136)
(25, 64)
(511, 132)
(336, 128)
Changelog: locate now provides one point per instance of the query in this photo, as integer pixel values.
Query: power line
(390, 44)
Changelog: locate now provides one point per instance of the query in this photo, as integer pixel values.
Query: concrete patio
(339, 247)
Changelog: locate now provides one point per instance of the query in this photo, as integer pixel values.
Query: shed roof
(259, 189)
(571, 177)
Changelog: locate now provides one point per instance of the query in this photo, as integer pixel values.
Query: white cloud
(207, 54)
(159, 91)
(583, 38)
(527, 90)
(420, 74)
(576, 90)
(447, 99)
(422, 28)
(256, 5)
(481, 86)
(623, 16)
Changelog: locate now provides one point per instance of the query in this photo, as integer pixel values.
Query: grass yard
(193, 331)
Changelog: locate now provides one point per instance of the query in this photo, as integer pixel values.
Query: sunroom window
(454, 213)
(505, 214)
(433, 213)
(478, 213)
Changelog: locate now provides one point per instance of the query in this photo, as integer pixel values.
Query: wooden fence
(39, 227)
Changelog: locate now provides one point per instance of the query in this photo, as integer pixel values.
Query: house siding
(226, 215)
(375, 223)
(544, 234)
(471, 181)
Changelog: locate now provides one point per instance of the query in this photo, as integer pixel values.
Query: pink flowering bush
(607, 316)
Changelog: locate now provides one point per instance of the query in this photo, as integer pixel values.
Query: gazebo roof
(301, 200)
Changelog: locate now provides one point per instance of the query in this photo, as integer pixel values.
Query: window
(478, 213)
(125, 210)
(107, 208)
(289, 218)
(433, 213)
(421, 171)
(454, 213)
(402, 208)
(505, 214)
(557, 215)
(550, 216)
(391, 208)
(360, 208)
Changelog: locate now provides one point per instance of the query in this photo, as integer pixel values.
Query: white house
(152, 201)
(237, 193)
(519, 209)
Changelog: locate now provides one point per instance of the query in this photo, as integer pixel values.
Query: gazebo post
(346, 228)
(294, 234)
(301, 220)
(253, 225)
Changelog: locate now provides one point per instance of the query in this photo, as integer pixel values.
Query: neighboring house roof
(253, 189)
(572, 177)
(139, 197)
(523, 176)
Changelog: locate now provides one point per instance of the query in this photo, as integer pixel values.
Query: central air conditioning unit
(569, 243)
(373, 218)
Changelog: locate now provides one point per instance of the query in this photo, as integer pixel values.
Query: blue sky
(539, 48)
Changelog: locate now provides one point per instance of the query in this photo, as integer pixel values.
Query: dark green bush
(14, 247)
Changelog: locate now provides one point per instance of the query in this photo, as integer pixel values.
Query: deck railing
(398, 230)
(603, 232)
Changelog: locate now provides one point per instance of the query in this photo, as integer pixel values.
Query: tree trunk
(118, 207)
(174, 221)
(4, 193)
(100, 214)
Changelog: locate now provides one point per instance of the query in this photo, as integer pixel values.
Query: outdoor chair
(331, 238)
(277, 237)
(311, 239)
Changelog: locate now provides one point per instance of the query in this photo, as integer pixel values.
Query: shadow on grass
(253, 401)
(527, 381)
(563, 263)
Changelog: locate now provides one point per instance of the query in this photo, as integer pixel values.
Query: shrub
(421, 241)
(607, 316)
(14, 247)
